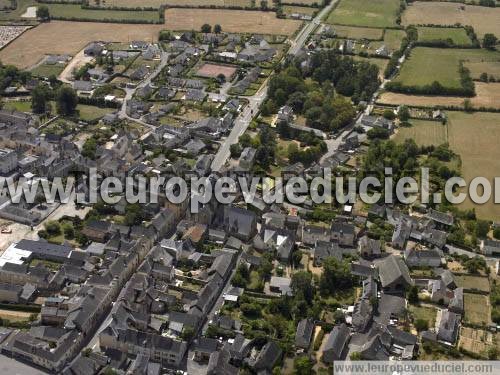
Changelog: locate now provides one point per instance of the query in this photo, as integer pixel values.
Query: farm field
(158, 3)
(457, 35)
(483, 19)
(290, 9)
(475, 138)
(393, 39)
(352, 32)
(75, 11)
(426, 65)
(238, 21)
(304, 2)
(423, 132)
(477, 309)
(34, 44)
(370, 13)
(490, 67)
(487, 95)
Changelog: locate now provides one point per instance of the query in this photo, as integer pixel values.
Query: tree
(39, 99)
(206, 28)
(355, 356)
(217, 28)
(496, 233)
(235, 150)
(42, 13)
(404, 113)
(187, 333)
(302, 282)
(69, 230)
(468, 107)
(66, 101)
(303, 366)
(482, 228)
(421, 325)
(221, 78)
(336, 276)
(389, 114)
(413, 294)
(489, 41)
(53, 228)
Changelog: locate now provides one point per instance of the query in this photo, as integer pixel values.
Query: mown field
(34, 44)
(393, 38)
(290, 9)
(477, 309)
(370, 13)
(237, 21)
(426, 65)
(423, 132)
(353, 32)
(474, 137)
(487, 95)
(431, 34)
(75, 11)
(492, 68)
(483, 19)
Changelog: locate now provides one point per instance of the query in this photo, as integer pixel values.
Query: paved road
(243, 121)
(129, 93)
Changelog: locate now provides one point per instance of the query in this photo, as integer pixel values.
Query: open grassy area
(393, 39)
(492, 68)
(46, 70)
(91, 113)
(16, 14)
(431, 34)
(477, 309)
(237, 21)
(426, 65)
(475, 138)
(371, 13)
(470, 282)
(424, 133)
(290, 9)
(24, 106)
(352, 32)
(75, 11)
(483, 19)
(487, 95)
(425, 313)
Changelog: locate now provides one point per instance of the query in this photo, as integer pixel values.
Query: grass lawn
(255, 281)
(393, 38)
(18, 106)
(370, 13)
(46, 70)
(477, 309)
(352, 32)
(457, 35)
(91, 113)
(75, 11)
(425, 133)
(22, 5)
(425, 313)
(426, 65)
(473, 282)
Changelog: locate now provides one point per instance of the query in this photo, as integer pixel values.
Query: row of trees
(65, 98)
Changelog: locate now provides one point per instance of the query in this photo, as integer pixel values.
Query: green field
(91, 113)
(426, 65)
(24, 106)
(15, 14)
(425, 313)
(352, 32)
(477, 309)
(46, 70)
(423, 132)
(393, 38)
(470, 282)
(75, 11)
(432, 34)
(369, 13)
